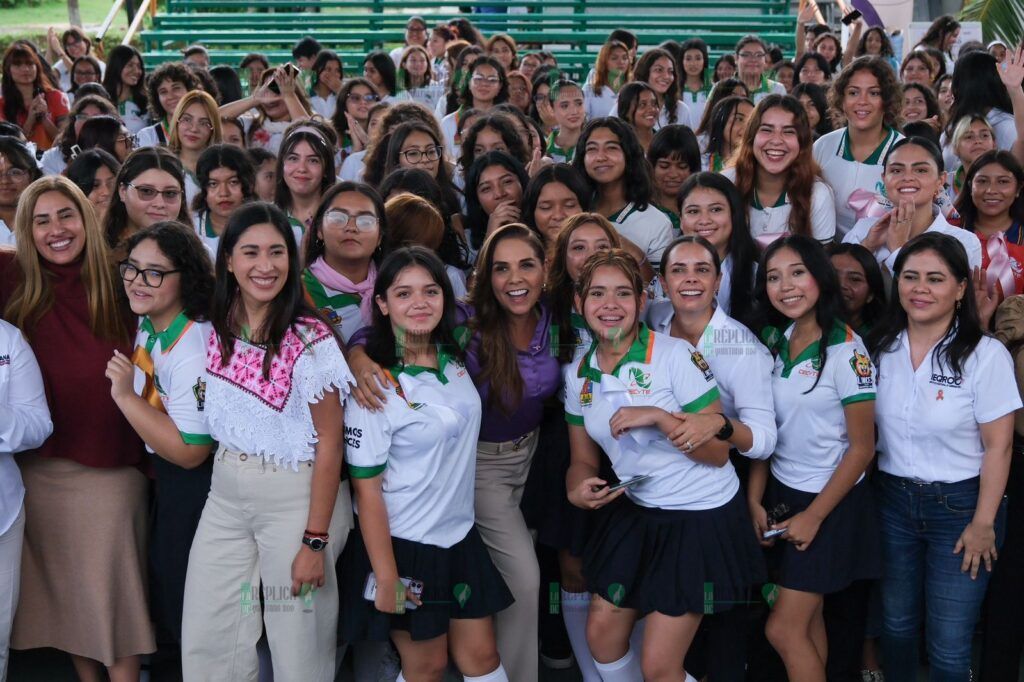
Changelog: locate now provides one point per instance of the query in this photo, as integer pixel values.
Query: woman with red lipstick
(777, 176)
(83, 580)
(195, 125)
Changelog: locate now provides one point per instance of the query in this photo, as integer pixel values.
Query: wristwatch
(725, 433)
(314, 543)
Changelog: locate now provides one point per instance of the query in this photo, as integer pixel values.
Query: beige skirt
(83, 568)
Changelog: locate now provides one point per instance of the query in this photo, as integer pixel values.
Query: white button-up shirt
(24, 416)
(928, 418)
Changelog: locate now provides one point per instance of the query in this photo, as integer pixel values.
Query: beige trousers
(501, 470)
(250, 532)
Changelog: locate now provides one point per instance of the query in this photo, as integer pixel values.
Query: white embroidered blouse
(270, 417)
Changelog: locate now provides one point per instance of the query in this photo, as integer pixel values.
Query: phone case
(414, 587)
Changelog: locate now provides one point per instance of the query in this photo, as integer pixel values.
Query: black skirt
(847, 547)
(674, 562)
(458, 582)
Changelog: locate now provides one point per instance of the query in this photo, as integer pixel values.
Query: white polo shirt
(743, 370)
(179, 373)
(134, 118)
(341, 309)
(845, 175)
(812, 423)
(657, 371)
(598, 104)
(6, 234)
(887, 258)
(769, 221)
(423, 443)
(649, 229)
(24, 416)
(928, 418)
(683, 116)
(450, 131)
(353, 165)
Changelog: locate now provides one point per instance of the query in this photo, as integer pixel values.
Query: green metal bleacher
(572, 29)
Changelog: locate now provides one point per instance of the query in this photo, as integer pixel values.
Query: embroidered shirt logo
(861, 365)
(587, 393)
(199, 391)
(702, 364)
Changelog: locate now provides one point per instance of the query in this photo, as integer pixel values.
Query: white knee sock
(575, 607)
(626, 669)
(496, 675)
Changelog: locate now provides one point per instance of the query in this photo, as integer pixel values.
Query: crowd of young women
(461, 361)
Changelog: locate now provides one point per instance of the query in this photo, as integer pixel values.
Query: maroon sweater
(88, 428)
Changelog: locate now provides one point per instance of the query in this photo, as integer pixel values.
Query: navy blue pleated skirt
(847, 547)
(674, 562)
(458, 582)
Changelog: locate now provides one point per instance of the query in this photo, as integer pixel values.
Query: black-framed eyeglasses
(147, 193)
(14, 174)
(414, 156)
(151, 278)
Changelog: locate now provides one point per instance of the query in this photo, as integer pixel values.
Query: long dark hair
(675, 142)
(119, 58)
(723, 88)
(20, 53)
(965, 204)
(82, 169)
(827, 311)
(287, 308)
(629, 99)
(386, 68)
(466, 97)
(381, 346)
(817, 95)
(504, 126)
(67, 137)
(637, 176)
(100, 132)
(643, 73)
(180, 244)
(965, 329)
(720, 116)
(498, 357)
(339, 120)
(476, 219)
(862, 46)
(874, 308)
(742, 247)
(321, 147)
(976, 88)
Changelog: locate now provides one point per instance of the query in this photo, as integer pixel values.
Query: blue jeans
(920, 524)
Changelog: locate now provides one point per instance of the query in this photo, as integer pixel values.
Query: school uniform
(133, 116)
(598, 104)
(323, 106)
(427, 95)
(204, 229)
(683, 116)
(558, 154)
(887, 258)
(24, 424)
(423, 446)
(252, 526)
(170, 374)
(353, 165)
(64, 73)
(649, 229)
(743, 371)
(930, 455)
(767, 87)
(846, 176)
(192, 188)
(155, 135)
(659, 546)
(813, 439)
(341, 309)
(450, 133)
(696, 101)
(768, 223)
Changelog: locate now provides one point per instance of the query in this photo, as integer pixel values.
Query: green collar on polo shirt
(167, 337)
(640, 350)
(876, 156)
(443, 358)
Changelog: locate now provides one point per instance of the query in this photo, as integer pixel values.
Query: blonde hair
(963, 126)
(33, 296)
(212, 110)
(413, 220)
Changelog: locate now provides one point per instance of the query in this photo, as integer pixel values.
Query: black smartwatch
(725, 433)
(314, 543)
